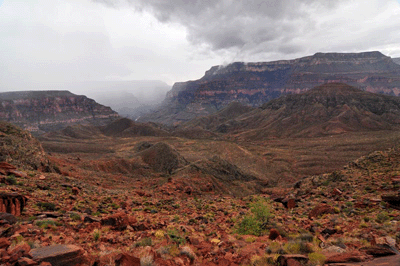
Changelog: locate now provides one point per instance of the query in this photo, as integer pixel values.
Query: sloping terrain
(112, 213)
(20, 148)
(125, 127)
(254, 84)
(325, 110)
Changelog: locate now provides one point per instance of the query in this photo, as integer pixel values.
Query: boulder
(7, 218)
(292, 260)
(273, 234)
(126, 260)
(379, 250)
(354, 256)
(59, 255)
(26, 262)
(118, 221)
(4, 243)
(320, 210)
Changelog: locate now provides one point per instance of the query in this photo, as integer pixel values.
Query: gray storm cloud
(248, 26)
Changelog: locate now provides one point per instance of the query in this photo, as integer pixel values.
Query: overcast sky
(50, 41)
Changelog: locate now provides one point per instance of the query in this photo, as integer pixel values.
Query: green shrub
(316, 259)
(176, 237)
(255, 222)
(46, 206)
(11, 180)
(46, 223)
(96, 235)
(144, 242)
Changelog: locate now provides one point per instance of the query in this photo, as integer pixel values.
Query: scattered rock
(392, 200)
(26, 262)
(320, 210)
(273, 234)
(126, 260)
(354, 256)
(8, 218)
(118, 221)
(59, 255)
(4, 243)
(75, 190)
(292, 260)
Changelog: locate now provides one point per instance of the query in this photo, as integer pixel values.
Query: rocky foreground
(60, 219)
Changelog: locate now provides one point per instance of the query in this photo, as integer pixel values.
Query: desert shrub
(46, 223)
(316, 259)
(11, 180)
(255, 222)
(96, 235)
(382, 217)
(46, 206)
(144, 242)
(176, 237)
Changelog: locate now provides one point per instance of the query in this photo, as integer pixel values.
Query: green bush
(144, 242)
(11, 180)
(316, 259)
(255, 222)
(46, 206)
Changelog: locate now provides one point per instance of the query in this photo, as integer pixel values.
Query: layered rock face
(51, 110)
(253, 84)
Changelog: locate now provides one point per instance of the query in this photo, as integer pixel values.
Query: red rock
(273, 234)
(75, 190)
(26, 262)
(7, 166)
(292, 260)
(336, 192)
(4, 243)
(17, 173)
(21, 249)
(59, 255)
(354, 256)
(119, 221)
(291, 204)
(188, 190)
(45, 264)
(126, 260)
(320, 210)
(379, 250)
(12, 203)
(140, 193)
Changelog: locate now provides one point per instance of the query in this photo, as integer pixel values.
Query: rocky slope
(38, 111)
(396, 60)
(256, 83)
(84, 217)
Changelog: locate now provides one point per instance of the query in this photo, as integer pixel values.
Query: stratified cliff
(38, 111)
(253, 84)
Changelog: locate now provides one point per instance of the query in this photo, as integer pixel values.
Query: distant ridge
(42, 111)
(253, 84)
(327, 109)
(396, 60)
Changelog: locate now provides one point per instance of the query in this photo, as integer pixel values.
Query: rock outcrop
(253, 84)
(38, 111)
(20, 149)
(12, 203)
